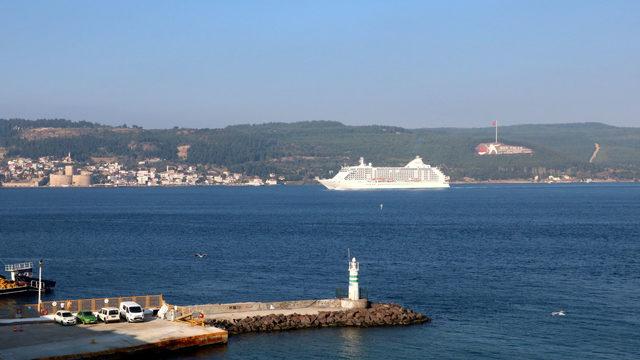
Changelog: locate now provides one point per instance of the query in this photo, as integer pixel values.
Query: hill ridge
(303, 150)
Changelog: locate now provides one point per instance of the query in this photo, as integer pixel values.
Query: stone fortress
(69, 178)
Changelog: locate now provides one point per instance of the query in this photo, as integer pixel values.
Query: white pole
(496, 131)
(39, 284)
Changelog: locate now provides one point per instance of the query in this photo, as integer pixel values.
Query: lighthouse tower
(354, 290)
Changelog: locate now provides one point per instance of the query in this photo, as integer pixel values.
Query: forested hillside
(304, 150)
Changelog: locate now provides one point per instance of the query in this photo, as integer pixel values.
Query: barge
(21, 281)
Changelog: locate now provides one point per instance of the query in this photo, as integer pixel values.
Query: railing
(74, 305)
(18, 267)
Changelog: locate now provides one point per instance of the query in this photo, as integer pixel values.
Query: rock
(376, 315)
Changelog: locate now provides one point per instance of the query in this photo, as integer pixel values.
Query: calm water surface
(488, 263)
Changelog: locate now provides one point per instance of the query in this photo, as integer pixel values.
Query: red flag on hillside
(494, 123)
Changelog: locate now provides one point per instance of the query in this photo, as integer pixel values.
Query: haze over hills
(303, 150)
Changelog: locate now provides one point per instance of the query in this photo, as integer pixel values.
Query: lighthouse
(354, 290)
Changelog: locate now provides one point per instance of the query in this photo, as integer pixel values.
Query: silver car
(64, 317)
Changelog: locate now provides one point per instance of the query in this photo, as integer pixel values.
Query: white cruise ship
(415, 175)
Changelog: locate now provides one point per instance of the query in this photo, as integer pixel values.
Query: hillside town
(51, 172)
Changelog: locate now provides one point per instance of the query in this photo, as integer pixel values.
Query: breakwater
(375, 315)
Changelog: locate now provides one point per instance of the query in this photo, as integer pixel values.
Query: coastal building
(255, 182)
(68, 178)
(83, 179)
(25, 172)
(60, 180)
(23, 183)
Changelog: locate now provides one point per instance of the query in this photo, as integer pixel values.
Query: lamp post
(40, 263)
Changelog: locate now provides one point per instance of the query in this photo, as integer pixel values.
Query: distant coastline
(302, 151)
(312, 183)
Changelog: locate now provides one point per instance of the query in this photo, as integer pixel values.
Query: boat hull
(369, 185)
(27, 285)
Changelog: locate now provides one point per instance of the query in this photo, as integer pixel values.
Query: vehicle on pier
(131, 311)
(64, 317)
(86, 317)
(109, 314)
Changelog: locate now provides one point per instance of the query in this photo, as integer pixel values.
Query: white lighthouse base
(354, 304)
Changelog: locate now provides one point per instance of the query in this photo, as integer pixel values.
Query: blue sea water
(488, 263)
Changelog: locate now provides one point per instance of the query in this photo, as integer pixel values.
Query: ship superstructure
(415, 175)
(22, 280)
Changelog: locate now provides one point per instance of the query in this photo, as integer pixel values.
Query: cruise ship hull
(415, 175)
(370, 185)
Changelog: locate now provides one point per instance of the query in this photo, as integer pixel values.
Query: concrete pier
(29, 338)
(233, 311)
(238, 318)
(376, 315)
(50, 340)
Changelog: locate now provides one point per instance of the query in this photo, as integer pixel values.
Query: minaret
(354, 290)
(68, 159)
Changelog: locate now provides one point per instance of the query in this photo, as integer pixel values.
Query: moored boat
(21, 281)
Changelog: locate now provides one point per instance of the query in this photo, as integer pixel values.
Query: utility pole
(40, 263)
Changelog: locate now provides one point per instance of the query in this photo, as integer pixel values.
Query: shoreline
(486, 182)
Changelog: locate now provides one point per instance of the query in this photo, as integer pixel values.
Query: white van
(107, 314)
(131, 311)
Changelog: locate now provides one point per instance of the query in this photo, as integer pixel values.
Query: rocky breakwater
(375, 315)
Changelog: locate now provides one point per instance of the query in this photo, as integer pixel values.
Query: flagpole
(496, 121)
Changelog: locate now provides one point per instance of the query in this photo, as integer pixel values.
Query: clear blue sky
(408, 63)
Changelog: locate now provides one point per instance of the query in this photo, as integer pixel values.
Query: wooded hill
(304, 150)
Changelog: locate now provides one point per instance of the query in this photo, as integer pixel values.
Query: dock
(232, 311)
(50, 340)
(27, 331)
(240, 318)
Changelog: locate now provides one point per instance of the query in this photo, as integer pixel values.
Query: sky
(160, 64)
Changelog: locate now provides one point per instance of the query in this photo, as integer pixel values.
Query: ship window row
(360, 174)
(405, 174)
(393, 174)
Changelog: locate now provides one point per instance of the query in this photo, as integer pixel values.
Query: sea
(488, 263)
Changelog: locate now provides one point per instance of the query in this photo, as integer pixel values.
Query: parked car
(131, 311)
(108, 314)
(86, 317)
(64, 317)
